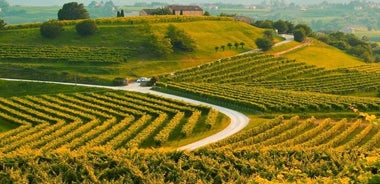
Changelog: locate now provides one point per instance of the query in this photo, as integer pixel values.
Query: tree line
(350, 43)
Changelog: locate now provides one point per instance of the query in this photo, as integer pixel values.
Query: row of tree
(229, 45)
(52, 29)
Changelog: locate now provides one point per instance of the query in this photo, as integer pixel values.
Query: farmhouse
(186, 10)
(176, 10)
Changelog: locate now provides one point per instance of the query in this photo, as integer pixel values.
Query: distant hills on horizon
(131, 2)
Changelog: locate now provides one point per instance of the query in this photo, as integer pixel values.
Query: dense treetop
(72, 11)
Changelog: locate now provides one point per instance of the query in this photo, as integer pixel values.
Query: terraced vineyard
(259, 99)
(263, 83)
(293, 133)
(346, 83)
(247, 68)
(111, 119)
(368, 68)
(64, 54)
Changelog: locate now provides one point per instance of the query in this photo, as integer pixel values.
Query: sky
(131, 2)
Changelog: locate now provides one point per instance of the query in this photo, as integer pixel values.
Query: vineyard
(263, 83)
(311, 134)
(259, 99)
(64, 54)
(271, 72)
(82, 135)
(111, 119)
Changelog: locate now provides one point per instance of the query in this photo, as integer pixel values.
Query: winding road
(238, 120)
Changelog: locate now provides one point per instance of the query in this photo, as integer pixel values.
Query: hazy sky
(131, 2)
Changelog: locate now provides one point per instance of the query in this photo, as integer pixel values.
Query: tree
(206, 13)
(281, 26)
(236, 45)
(291, 27)
(216, 48)
(162, 11)
(229, 45)
(2, 24)
(306, 28)
(179, 39)
(269, 34)
(242, 44)
(86, 27)
(266, 24)
(264, 44)
(159, 45)
(72, 11)
(118, 14)
(299, 35)
(122, 13)
(223, 47)
(51, 29)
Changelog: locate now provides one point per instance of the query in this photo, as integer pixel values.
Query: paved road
(238, 120)
(288, 38)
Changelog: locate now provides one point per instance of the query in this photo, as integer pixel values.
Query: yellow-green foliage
(323, 55)
(208, 34)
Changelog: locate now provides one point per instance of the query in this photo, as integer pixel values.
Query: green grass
(284, 47)
(207, 34)
(6, 125)
(13, 88)
(323, 55)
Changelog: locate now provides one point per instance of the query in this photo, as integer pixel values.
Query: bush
(86, 27)
(2, 24)
(180, 40)
(299, 35)
(51, 29)
(119, 81)
(264, 43)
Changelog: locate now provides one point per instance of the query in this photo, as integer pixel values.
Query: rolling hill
(312, 110)
(117, 50)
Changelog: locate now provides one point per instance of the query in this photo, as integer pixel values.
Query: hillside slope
(118, 49)
(323, 55)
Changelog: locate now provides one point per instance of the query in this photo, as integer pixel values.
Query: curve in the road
(238, 120)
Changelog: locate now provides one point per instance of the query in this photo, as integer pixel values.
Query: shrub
(2, 24)
(264, 43)
(119, 81)
(86, 27)
(51, 29)
(180, 40)
(299, 35)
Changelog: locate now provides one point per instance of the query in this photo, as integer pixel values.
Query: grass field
(323, 55)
